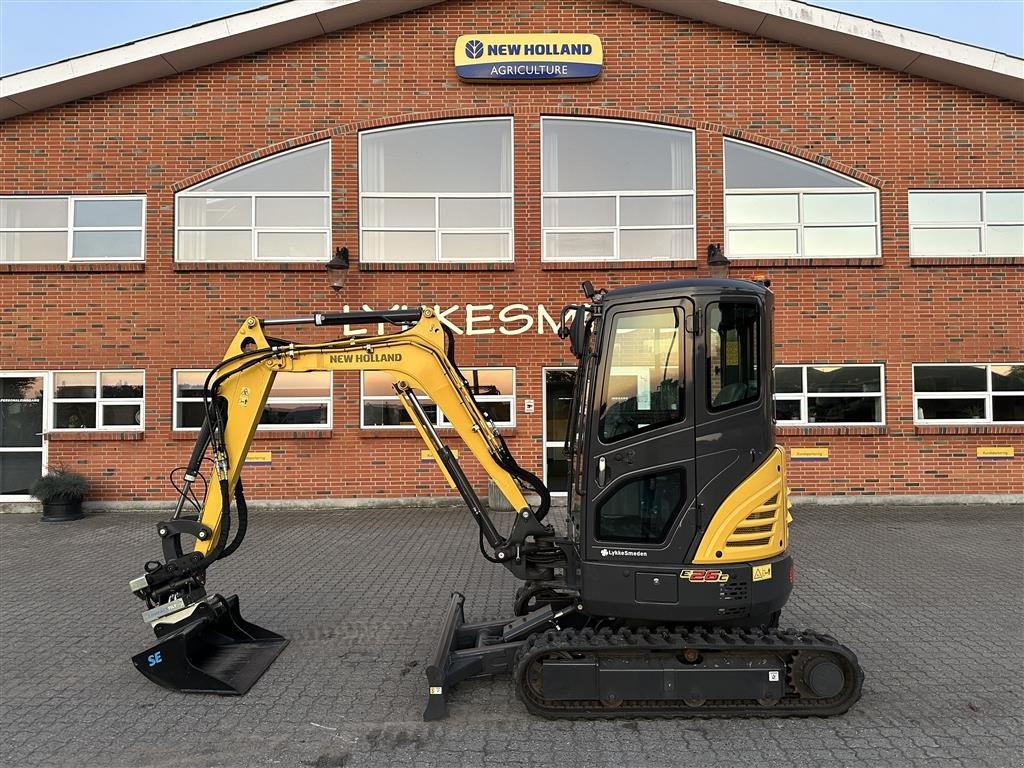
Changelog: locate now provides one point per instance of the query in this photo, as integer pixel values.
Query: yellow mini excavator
(662, 597)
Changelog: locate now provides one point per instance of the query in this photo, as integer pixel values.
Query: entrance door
(21, 433)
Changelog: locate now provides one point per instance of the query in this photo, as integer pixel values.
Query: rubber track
(786, 644)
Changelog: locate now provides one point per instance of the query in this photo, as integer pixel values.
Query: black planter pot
(61, 509)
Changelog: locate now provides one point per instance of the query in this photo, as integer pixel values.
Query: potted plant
(61, 492)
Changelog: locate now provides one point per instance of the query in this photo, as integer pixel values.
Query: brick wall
(894, 131)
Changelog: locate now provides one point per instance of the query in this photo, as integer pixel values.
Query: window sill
(91, 266)
(966, 429)
(272, 434)
(819, 430)
(873, 261)
(89, 435)
(439, 266)
(563, 266)
(249, 266)
(963, 261)
(373, 433)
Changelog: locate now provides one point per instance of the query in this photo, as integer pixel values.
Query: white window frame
(804, 396)
(441, 422)
(99, 401)
(253, 229)
(327, 400)
(798, 225)
(71, 229)
(437, 197)
(618, 195)
(545, 441)
(981, 224)
(43, 449)
(985, 395)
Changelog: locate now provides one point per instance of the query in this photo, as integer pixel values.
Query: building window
(493, 388)
(558, 386)
(296, 401)
(437, 192)
(975, 222)
(102, 400)
(829, 394)
(964, 393)
(275, 209)
(778, 206)
(614, 190)
(48, 230)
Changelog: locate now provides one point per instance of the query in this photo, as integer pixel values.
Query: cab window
(733, 354)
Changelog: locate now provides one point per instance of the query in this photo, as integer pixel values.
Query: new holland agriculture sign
(528, 57)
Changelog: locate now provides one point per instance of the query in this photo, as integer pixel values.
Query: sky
(38, 32)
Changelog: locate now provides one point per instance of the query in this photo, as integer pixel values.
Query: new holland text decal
(528, 57)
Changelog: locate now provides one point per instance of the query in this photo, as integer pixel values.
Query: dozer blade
(215, 650)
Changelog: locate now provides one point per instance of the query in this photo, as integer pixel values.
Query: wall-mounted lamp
(337, 269)
(715, 256)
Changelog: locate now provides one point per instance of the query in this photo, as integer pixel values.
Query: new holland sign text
(528, 57)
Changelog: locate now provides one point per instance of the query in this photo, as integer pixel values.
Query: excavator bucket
(214, 651)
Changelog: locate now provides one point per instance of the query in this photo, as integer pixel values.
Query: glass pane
(459, 213)
(294, 413)
(762, 242)
(74, 384)
(1005, 241)
(839, 209)
(789, 379)
(121, 384)
(490, 381)
(122, 415)
(950, 378)
(844, 379)
(33, 246)
(1008, 378)
(844, 409)
(950, 409)
(734, 354)
(74, 415)
(464, 156)
(33, 213)
(643, 244)
(214, 212)
(787, 410)
(605, 156)
(1008, 408)
(190, 415)
(214, 246)
(399, 246)
(107, 245)
(945, 242)
(21, 424)
(557, 404)
(384, 413)
(398, 212)
(643, 510)
(839, 241)
(751, 167)
(557, 466)
(306, 246)
(378, 384)
(642, 386)
(108, 213)
(655, 210)
(1004, 207)
(19, 470)
(579, 245)
(944, 207)
(21, 387)
(311, 384)
(761, 209)
(498, 411)
(304, 170)
(475, 246)
(579, 212)
(189, 383)
(287, 212)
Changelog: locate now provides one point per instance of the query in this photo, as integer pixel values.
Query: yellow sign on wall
(426, 455)
(995, 452)
(809, 454)
(528, 58)
(258, 458)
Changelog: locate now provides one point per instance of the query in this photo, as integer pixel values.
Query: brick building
(154, 195)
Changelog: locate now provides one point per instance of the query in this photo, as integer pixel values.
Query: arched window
(274, 209)
(778, 206)
(615, 190)
(436, 192)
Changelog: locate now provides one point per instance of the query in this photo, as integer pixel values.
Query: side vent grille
(757, 528)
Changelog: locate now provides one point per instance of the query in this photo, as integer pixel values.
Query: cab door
(640, 483)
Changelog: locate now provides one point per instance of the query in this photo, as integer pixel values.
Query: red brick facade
(893, 131)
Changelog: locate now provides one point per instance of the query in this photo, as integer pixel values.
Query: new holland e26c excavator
(664, 595)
